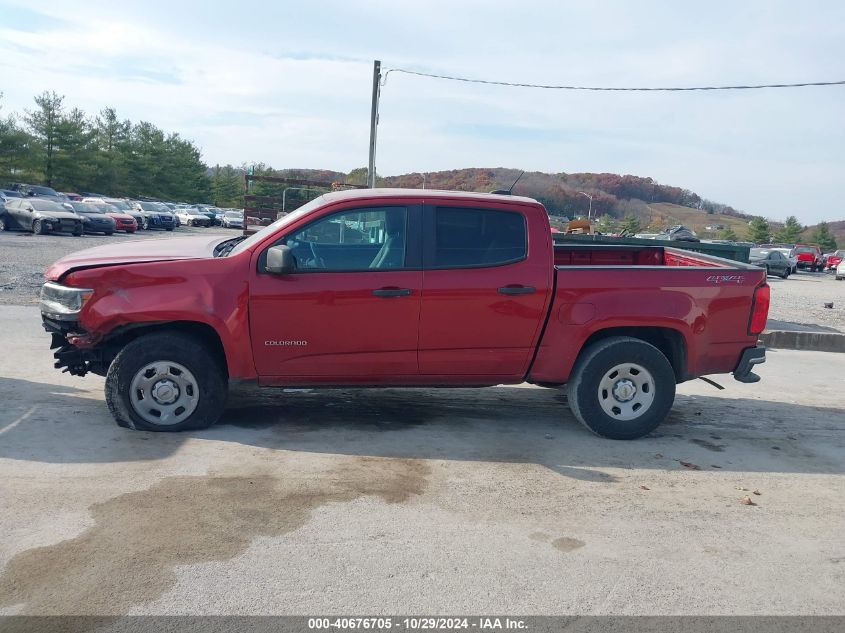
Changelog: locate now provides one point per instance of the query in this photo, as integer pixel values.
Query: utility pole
(371, 170)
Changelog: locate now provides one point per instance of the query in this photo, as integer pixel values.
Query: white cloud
(290, 86)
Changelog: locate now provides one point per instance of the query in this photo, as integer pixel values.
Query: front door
(349, 313)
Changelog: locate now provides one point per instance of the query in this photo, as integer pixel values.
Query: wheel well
(670, 342)
(204, 332)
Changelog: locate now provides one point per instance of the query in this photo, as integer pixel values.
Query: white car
(840, 271)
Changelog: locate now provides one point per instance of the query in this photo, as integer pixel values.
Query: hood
(136, 252)
(119, 215)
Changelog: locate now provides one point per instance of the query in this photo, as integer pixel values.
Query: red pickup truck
(401, 287)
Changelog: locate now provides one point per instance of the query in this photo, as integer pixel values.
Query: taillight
(759, 309)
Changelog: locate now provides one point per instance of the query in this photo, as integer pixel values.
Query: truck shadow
(58, 424)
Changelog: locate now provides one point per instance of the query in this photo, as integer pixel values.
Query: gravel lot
(24, 256)
(801, 299)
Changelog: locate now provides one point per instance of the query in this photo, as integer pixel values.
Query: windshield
(43, 191)
(805, 249)
(85, 207)
(148, 206)
(759, 252)
(119, 204)
(46, 205)
(282, 222)
(233, 214)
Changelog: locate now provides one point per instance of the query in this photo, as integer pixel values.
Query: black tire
(78, 232)
(596, 362)
(145, 224)
(109, 233)
(38, 227)
(169, 228)
(785, 274)
(173, 347)
(4, 225)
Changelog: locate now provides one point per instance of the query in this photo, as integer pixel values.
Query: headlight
(63, 303)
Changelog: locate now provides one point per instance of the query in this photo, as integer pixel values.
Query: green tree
(823, 237)
(631, 224)
(227, 186)
(728, 234)
(14, 148)
(606, 224)
(790, 232)
(42, 123)
(74, 162)
(758, 230)
(112, 143)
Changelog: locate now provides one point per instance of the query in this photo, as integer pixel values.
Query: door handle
(392, 292)
(517, 290)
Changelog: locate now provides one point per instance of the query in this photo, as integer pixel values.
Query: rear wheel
(165, 382)
(621, 388)
(4, 225)
(38, 227)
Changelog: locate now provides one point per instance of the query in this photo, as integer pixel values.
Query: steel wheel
(164, 393)
(626, 391)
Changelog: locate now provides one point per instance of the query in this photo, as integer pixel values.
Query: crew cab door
(349, 312)
(486, 285)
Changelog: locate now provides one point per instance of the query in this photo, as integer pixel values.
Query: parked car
(93, 219)
(233, 220)
(442, 288)
(124, 221)
(124, 207)
(153, 217)
(810, 257)
(840, 270)
(774, 261)
(788, 250)
(39, 216)
(834, 258)
(37, 191)
(192, 217)
(206, 210)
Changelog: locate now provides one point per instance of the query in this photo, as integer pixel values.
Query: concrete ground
(421, 501)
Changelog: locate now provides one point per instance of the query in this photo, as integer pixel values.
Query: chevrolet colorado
(387, 287)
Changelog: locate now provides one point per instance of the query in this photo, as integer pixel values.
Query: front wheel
(4, 225)
(38, 227)
(145, 224)
(165, 381)
(621, 388)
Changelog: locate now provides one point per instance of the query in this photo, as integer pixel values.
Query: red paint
(455, 327)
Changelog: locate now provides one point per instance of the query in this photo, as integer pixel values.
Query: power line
(603, 89)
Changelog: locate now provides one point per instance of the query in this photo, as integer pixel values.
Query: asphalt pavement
(422, 501)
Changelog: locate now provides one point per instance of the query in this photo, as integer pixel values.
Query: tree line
(69, 150)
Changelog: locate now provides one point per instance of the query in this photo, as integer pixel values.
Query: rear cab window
(467, 237)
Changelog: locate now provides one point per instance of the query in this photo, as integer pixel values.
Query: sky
(289, 84)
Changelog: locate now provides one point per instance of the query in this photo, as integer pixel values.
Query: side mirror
(280, 260)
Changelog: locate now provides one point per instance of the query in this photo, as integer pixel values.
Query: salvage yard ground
(417, 501)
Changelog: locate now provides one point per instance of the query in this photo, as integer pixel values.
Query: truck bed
(618, 255)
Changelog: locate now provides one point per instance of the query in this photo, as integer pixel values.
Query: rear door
(349, 313)
(485, 289)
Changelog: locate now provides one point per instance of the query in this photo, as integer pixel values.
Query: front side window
(359, 239)
(478, 237)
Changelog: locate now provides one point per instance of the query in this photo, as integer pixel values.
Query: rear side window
(478, 237)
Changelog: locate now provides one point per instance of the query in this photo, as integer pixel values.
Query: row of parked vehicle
(43, 210)
(785, 259)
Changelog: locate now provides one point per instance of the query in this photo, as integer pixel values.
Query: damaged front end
(76, 350)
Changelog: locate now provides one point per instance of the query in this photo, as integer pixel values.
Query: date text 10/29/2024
(417, 623)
